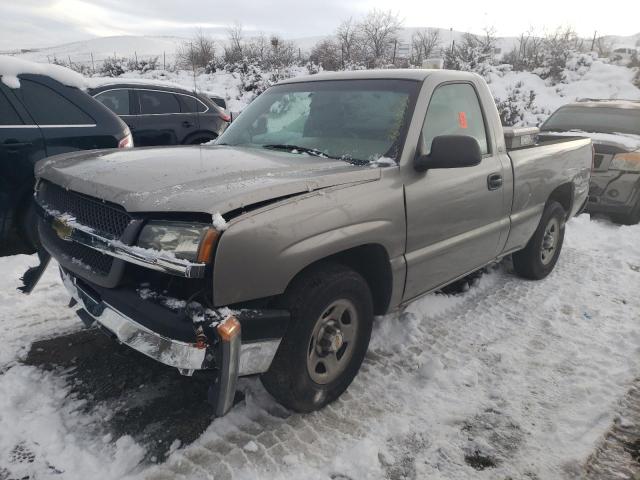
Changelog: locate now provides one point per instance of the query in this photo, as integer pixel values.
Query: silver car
(614, 128)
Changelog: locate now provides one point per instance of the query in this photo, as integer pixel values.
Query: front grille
(79, 255)
(106, 219)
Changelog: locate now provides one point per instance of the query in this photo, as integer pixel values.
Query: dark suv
(162, 115)
(41, 118)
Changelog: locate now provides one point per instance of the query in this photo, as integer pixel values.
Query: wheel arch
(200, 133)
(564, 195)
(369, 260)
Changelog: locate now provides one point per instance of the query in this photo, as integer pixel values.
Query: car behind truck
(331, 199)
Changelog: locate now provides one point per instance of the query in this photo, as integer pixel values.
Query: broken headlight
(188, 241)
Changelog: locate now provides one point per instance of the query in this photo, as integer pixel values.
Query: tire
(316, 341)
(538, 258)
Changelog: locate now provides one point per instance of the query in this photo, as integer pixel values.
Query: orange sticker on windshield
(462, 119)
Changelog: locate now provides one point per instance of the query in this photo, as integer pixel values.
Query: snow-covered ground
(511, 379)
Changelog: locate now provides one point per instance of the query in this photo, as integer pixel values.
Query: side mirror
(450, 151)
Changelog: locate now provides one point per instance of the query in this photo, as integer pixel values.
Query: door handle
(494, 181)
(15, 145)
(187, 124)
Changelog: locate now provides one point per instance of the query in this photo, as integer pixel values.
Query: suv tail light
(127, 140)
(593, 158)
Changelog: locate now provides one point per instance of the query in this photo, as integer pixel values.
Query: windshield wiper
(291, 148)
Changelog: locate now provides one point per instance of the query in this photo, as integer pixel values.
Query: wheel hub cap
(550, 241)
(332, 342)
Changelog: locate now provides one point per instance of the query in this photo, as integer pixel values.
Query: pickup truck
(329, 200)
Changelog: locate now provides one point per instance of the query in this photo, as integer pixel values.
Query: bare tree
(603, 46)
(197, 52)
(424, 43)
(379, 31)
(257, 48)
(326, 53)
(349, 40)
(233, 51)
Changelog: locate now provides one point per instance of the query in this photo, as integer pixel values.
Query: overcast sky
(33, 23)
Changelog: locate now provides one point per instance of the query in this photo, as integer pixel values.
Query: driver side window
(454, 110)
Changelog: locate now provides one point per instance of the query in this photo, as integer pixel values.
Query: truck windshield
(359, 121)
(595, 120)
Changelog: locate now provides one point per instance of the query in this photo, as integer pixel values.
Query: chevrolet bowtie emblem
(62, 229)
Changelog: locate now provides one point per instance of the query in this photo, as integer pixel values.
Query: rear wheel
(540, 255)
(331, 320)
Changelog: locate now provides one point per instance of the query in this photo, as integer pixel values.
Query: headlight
(188, 241)
(629, 162)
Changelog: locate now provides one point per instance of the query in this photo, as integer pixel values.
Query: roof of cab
(416, 74)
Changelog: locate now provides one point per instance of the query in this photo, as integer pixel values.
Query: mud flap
(32, 276)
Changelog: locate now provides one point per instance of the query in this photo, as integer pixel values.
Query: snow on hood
(214, 179)
(12, 67)
(627, 141)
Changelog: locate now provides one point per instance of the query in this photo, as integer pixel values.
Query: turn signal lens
(127, 140)
(207, 245)
(229, 329)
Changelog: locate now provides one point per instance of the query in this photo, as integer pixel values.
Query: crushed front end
(148, 281)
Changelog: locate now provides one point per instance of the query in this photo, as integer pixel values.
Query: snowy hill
(103, 47)
(146, 46)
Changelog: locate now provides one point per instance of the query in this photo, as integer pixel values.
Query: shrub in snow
(473, 54)
(114, 66)
(142, 66)
(519, 108)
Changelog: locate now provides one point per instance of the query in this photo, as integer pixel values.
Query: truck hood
(205, 179)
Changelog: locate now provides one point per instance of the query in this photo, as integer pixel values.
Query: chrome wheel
(550, 241)
(332, 341)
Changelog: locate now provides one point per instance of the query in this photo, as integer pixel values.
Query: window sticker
(462, 119)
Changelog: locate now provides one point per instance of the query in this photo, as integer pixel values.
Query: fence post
(164, 60)
(93, 65)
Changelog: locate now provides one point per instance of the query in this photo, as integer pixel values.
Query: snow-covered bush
(473, 54)
(519, 107)
(143, 65)
(114, 66)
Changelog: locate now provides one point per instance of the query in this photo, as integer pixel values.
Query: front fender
(261, 252)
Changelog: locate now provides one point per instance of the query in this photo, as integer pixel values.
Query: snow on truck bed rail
(11, 68)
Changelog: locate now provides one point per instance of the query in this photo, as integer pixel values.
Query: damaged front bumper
(243, 343)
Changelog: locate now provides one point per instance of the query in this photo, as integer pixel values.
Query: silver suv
(614, 128)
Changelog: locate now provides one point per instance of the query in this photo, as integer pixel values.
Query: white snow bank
(11, 68)
(626, 140)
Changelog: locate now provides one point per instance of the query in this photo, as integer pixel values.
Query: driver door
(455, 216)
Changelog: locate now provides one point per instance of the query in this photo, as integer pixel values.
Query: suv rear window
(152, 102)
(48, 107)
(595, 120)
(191, 104)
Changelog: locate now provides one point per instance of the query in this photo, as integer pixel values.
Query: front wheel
(331, 320)
(538, 258)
